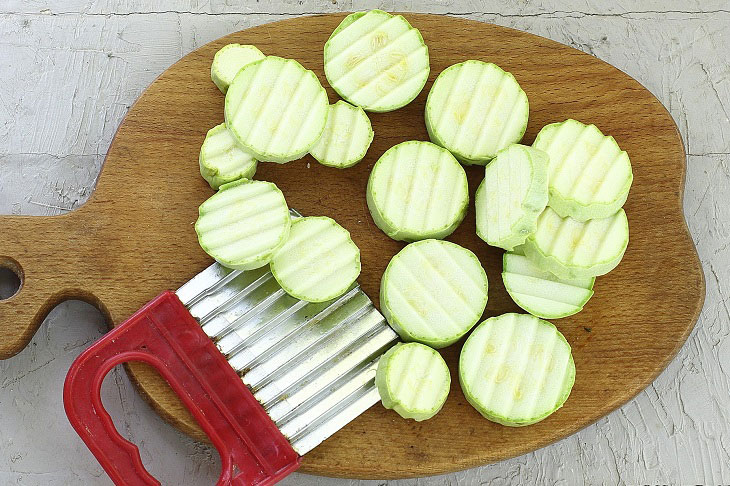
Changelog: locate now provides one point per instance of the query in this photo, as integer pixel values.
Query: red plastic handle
(164, 334)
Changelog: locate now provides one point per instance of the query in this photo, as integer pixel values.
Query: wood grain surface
(134, 237)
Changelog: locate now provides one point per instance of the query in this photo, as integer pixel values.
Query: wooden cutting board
(134, 238)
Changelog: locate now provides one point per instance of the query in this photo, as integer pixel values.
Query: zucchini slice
(276, 109)
(376, 60)
(433, 292)
(573, 249)
(243, 224)
(541, 293)
(417, 190)
(475, 109)
(516, 369)
(222, 160)
(318, 262)
(346, 138)
(229, 60)
(413, 380)
(511, 197)
(590, 176)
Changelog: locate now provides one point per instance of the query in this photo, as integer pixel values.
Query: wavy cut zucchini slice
(276, 109)
(590, 176)
(417, 190)
(475, 109)
(413, 380)
(433, 292)
(243, 224)
(573, 249)
(516, 369)
(511, 197)
(376, 60)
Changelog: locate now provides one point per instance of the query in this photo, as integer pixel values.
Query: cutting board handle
(39, 250)
(164, 335)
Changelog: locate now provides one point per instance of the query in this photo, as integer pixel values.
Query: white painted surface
(70, 69)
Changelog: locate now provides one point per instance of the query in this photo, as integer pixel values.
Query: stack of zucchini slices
(555, 207)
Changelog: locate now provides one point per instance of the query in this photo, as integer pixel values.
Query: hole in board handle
(11, 278)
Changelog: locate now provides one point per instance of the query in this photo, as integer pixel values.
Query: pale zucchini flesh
(590, 176)
(318, 262)
(573, 249)
(475, 109)
(512, 196)
(417, 190)
(222, 160)
(229, 60)
(243, 224)
(541, 293)
(276, 109)
(346, 137)
(376, 60)
(433, 292)
(516, 369)
(413, 380)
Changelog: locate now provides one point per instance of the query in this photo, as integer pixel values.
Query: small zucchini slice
(573, 249)
(376, 60)
(541, 293)
(413, 380)
(229, 60)
(222, 160)
(346, 138)
(276, 109)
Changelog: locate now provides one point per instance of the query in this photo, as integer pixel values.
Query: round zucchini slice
(573, 249)
(229, 60)
(511, 197)
(318, 262)
(541, 293)
(475, 109)
(516, 369)
(417, 190)
(376, 60)
(433, 292)
(243, 224)
(590, 176)
(276, 109)
(413, 380)
(222, 160)
(346, 138)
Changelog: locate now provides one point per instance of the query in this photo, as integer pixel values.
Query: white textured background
(70, 69)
